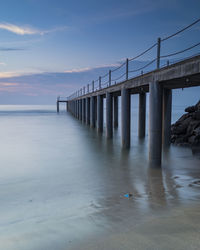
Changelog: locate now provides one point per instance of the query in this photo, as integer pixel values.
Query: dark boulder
(186, 131)
(196, 115)
(191, 109)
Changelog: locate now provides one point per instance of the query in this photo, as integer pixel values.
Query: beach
(65, 187)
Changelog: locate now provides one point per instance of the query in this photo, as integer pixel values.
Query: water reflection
(127, 171)
(73, 176)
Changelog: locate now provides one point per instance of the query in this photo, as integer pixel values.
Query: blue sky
(50, 48)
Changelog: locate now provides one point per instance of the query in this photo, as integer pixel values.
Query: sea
(63, 186)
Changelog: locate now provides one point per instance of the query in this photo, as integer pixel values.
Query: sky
(54, 47)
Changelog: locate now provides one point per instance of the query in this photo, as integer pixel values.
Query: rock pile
(186, 131)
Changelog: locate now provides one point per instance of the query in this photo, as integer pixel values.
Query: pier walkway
(87, 103)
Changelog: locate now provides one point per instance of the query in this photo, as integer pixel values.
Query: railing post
(109, 78)
(158, 52)
(127, 69)
(92, 86)
(84, 90)
(88, 90)
(100, 82)
(167, 62)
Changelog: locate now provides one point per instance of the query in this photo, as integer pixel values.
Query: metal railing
(125, 72)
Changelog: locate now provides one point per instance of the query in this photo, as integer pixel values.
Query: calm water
(62, 187)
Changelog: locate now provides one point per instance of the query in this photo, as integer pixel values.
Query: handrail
(92, 87)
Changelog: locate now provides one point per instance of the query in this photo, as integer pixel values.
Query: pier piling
(167, 111)
(115, 100)
(125, 117)
(88, 111)
(92, 113)
(142, 115)
(155, 124)
(58, 107)
(100, 113)
(109, 115)
(83, 110)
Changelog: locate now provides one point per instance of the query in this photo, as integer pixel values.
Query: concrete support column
(100, 113)
(109, 115)
(58, 107)
(155, 124)
(66, 106)
(126, 117)
(95, 106)
(92, 112)
(167, 112)
(88, 111)
(76, 108)
(115, 111)
(83, 110)
(80, 109)
(142, 115)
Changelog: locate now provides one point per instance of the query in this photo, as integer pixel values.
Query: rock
(181, 126)
(197, 182)
(196, 115)
(192, 126)
(186, 130)
(191, 109)
(178, 186)
(183, 117)
(198, 105)
(191, 139)
(197, 131)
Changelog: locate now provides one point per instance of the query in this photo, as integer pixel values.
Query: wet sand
(63, 187)
(175, 229)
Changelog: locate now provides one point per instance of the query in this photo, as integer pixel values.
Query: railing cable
(181, 51)
(180, 31)
(145, 66)
(116, 79)
(118, 67)
(144, 52)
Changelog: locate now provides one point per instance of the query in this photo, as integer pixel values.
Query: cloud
(11, 49)
(21, 42)
(18, 30)
(80, 70)
(2, 64)
(10, 74)
(25, 30)
(7, 84)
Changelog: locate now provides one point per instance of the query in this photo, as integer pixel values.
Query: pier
(61, 100)
(87, 104)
